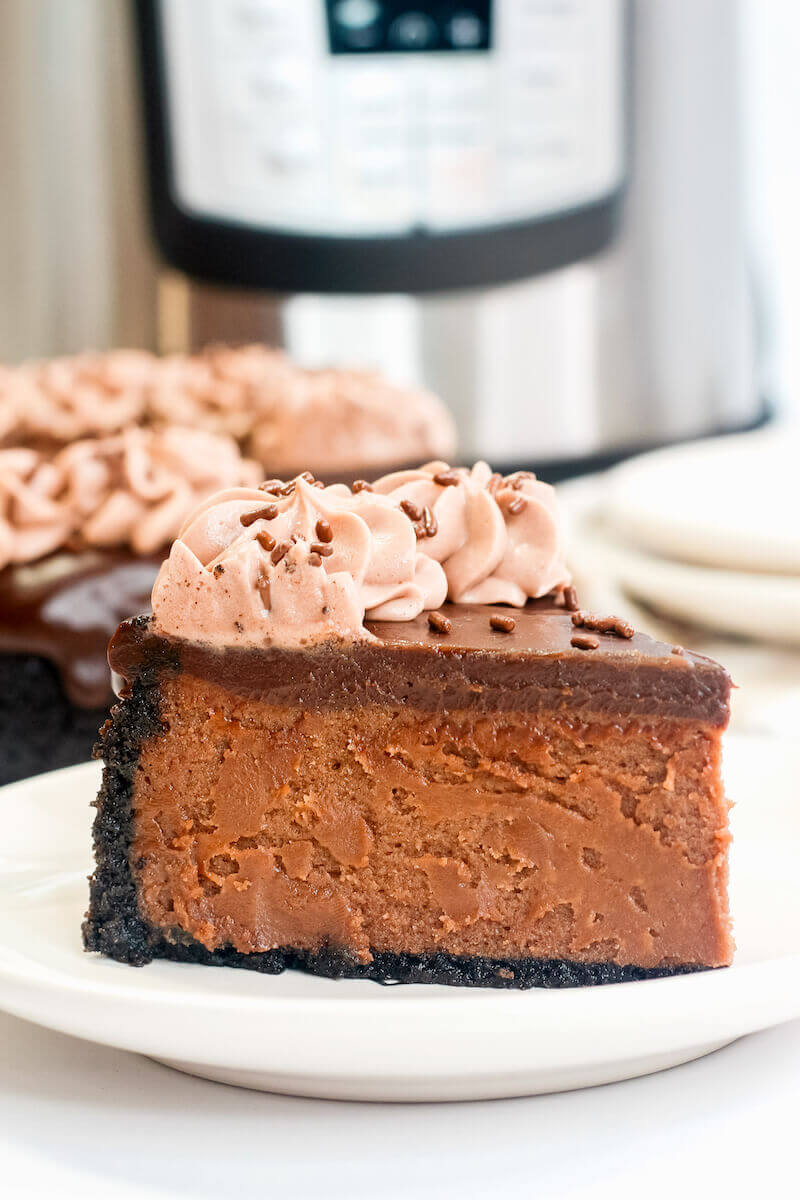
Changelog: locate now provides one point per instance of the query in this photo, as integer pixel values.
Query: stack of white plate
(707, 534)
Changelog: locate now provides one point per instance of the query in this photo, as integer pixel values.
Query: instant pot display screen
(377, 118)
(397, 27)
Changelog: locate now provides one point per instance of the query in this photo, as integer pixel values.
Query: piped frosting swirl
(298, 563)
(130, 489)
(280, 413)
(87, 395)
(288, 415)
(339, 419)
(34, 521)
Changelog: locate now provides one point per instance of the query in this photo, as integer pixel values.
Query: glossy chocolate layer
(533, 668)
(66, 607)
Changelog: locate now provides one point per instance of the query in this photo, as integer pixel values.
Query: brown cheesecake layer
(479, 806)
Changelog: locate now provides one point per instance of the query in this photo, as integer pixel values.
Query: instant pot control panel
(377, 145)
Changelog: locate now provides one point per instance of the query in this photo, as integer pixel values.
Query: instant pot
(534, 207)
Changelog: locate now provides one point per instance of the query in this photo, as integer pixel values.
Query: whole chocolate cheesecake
(368, 733)
(83, 531)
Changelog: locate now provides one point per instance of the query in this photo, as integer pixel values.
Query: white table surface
(78, 1120)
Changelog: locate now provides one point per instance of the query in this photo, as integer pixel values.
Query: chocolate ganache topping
(65, 607)
(292, 564)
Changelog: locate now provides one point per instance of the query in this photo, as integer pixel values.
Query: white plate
(354, 1040)
(745, 604)
(728, 502)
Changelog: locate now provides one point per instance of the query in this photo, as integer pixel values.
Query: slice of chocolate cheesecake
(452, 791)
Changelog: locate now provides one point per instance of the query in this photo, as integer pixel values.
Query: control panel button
(465, 31)
(413, 31)
(357, 23)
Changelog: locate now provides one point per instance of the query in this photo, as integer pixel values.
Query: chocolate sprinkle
(314, 560)
(570, 599)
(584, 641)
(412, 510)
(270, 485)
(429, 523)
(265, 540)
(280, 551)
(321, 549)
(516, 506)
(263, 585)
(268, 513)
(438, 622)
(611, 625)
(446, 478)
(323, 530)
(361, 485)
(503, 624)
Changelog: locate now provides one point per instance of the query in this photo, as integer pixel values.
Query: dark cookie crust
(114, 925)
(388, 968)
(40, 729)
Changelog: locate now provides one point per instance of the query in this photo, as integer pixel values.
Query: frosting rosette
(283, 414)
(86, 395)
(498, 538)
(292, 565)
(339, 419)
(288, 415)
(130, 489)
(223, 389)
(298, 563)
(34, 520)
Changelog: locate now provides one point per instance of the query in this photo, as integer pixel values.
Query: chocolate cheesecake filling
(487, 801)
(373, 828)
